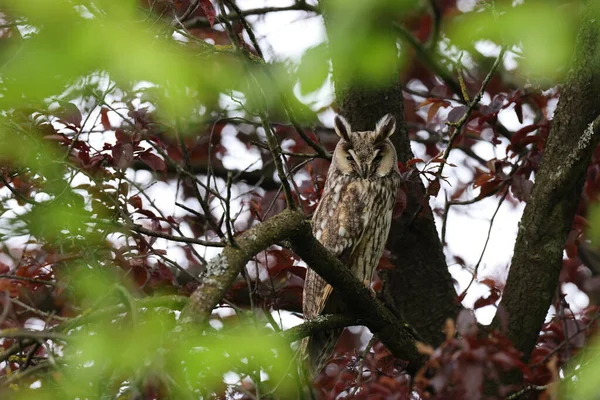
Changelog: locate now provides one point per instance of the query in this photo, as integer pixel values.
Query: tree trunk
(548, 216)
(420, 286)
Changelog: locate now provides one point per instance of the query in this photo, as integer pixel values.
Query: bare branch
(222, 270)
(398, 336)
(26, 279)
(148, 232)
(320, 323)
(202, 22)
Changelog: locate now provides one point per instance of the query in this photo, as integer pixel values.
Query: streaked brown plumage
(352, 220)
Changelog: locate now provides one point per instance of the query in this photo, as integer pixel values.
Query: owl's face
(368, 154)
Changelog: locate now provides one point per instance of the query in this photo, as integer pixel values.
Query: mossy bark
(548, 215)
(223, 269)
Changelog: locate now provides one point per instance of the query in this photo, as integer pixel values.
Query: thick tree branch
(222, 270)
(549, 214)
(320, 323)
(397, 335)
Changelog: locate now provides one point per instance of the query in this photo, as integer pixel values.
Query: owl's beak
(365, 170)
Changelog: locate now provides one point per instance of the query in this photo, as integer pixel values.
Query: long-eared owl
(352, 219)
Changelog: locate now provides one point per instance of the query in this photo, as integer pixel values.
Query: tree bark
(548, 216)
(398, 336)
(420, 286)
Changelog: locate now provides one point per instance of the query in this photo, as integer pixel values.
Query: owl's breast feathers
(352, 220)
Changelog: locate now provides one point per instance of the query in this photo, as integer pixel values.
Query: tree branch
(202, 22)
(397, 335)
(548, 216)
(182, 239)
(320, 323)
(223, 269)
(253, 178)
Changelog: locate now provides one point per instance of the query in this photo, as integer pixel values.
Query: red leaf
(487, 301)
(521, 133)
(122, 136)
(122, 155)
(580, 222)
(153, 161)
(427, 101)
(434, 188)
(209, 11)
(456, 114)
(136, 201)
(413, 161)
(4, 268)
(433, 109)
(70, 114)
(521, 187)
(531, 139)
(489, 187)
(519, 112)
(147, 213)
(104, 118)
(571, 244)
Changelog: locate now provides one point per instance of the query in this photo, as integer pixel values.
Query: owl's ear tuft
(385, 127)
(342, 127)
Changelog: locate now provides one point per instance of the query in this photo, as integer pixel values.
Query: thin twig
(461, 122)
(26, 279)
(148, 232)
(361, 364)
(28, 372)
(299, 6)
(487, 240)
(457, 126)
(256, 91)
(228, 223)
(310, 142)
(428, 59)
(35, 335)
(37, 311)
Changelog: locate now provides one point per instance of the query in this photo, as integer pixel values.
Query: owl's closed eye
(367, 154)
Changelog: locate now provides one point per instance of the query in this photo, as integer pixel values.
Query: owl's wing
(339, 223)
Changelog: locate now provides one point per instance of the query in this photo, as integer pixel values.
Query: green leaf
(546, 51)
(313, 69)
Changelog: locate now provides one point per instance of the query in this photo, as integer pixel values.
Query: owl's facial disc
(368, 162)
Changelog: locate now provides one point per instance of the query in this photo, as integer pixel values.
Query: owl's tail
(318, 349)
(319, 298)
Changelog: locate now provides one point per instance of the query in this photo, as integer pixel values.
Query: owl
(352, 220)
